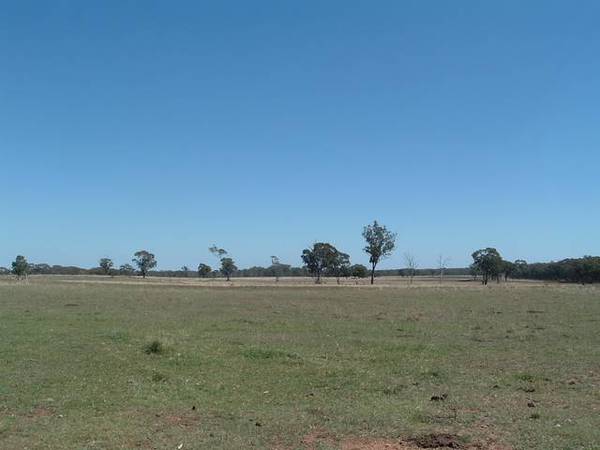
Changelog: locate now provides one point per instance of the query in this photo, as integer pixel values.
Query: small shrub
(257, 353)
(528, 378)
(261, 353)
(153, 347)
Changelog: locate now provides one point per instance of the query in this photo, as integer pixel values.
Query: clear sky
(265, 126)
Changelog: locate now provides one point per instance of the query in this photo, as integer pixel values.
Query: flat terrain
(510, 366)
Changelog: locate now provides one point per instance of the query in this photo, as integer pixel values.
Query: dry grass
(509, 366)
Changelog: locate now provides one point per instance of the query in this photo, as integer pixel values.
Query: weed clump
(154, 347)
(527, 377)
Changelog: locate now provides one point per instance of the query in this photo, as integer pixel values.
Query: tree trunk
(373, 273)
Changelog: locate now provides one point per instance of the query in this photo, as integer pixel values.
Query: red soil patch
(319, 437)
(374, 444)
(437, 440)
(40, 411)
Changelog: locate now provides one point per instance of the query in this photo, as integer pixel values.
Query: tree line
(322, 259)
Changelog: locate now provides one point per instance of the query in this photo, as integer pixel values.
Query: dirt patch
(40, 411)
(181, 420)
(375, 444)
(320, 437)
(435, 440)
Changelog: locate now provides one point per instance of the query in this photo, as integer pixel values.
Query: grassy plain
(295, 367)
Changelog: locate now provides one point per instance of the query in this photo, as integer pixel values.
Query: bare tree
(442, 263)
(411, 265)
(276, 267)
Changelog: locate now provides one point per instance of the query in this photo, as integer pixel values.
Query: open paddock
(290, 365)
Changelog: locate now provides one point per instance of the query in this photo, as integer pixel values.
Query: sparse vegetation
(294, 360)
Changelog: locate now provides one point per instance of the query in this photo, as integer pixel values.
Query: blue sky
(265, 126)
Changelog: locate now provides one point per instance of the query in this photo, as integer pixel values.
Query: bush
(153, 347)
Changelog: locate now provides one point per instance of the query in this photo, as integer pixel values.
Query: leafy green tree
(488, 263)
(228, 267)
(340, 266)
(380, 244)
(359, 271)
(586, 269)
(508, 269)
(204, 270)
(144, 261)
(106, 264)
(321, 257)
(126, 269)
(20, 267)
(474, 271)
(520, 268)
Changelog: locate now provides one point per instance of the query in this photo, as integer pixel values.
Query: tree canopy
(204, 270)
(20, 267)
(488, 263)
(380, 244)
(126, 269)
(359, 271)
(145, 261)
(106, 265)
(228, 267)
(320, 258)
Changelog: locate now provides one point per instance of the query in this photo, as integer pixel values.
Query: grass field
(284, 367)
